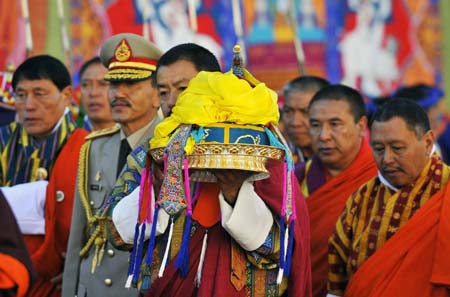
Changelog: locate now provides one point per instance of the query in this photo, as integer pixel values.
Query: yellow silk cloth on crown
(214, 97)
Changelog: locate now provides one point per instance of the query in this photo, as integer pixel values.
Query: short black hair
(415, 117)
(202, 58)
(342, 93)
(42, 67)
(304, 83)
(93, 61)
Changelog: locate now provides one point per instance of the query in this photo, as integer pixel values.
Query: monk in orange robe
(343, 161)
(392, 237)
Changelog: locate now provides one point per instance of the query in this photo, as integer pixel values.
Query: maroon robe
(217, 266)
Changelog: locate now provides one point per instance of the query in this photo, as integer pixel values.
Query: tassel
(151, 246)
(137, 260)
(293, 205)
(283, 206)
(290, 246)
(101, 253)
(282, 230)
(133, 256)
(146, 278)
(151, 241)
(287, 263)
(182, 261)
(166, 157)
(141, 221)
(282, 242)
(94, 260)
(142, 186)
(283, 252)
(128, 282)
(151, 201)
(145, 283)
(198, 276)
(166, 253)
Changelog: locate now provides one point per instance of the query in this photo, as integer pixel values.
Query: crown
(232, 119)
(228, 146)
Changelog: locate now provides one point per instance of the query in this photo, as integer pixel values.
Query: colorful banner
(374, 45)
(379, 45)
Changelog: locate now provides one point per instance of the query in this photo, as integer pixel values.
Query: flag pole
(145, 21)
(299, 53)
(64, 33)
(28, 35)
(192, 9)
(238, 27)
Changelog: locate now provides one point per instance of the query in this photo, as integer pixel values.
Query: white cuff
(27, 202)
(331, 295)
(250, 221)
(125, 215)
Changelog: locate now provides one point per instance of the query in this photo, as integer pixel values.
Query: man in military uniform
(175, 69)
(93, 267)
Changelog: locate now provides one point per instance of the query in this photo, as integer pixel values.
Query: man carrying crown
(226, 217)
(93, 267)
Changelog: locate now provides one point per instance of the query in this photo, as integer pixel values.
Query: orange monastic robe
(414, 262)
(326, 204)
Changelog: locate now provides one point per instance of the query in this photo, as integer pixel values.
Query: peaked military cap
(129, 57)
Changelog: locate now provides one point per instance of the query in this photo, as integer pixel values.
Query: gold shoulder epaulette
(103, 132)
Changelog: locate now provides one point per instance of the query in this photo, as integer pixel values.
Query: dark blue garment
(444, 144)
(6, 116)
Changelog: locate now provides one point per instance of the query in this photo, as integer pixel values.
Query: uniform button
(59, 196)
(108, 282)
(92, 202)
(111, 252)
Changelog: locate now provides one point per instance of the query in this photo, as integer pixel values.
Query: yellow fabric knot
(214, 97)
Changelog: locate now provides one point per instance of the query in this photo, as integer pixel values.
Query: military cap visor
(129, 57)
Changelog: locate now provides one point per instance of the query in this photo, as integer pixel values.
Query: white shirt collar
(389, 185)
(66, 111)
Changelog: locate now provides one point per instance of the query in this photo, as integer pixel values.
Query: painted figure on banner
(368, 54)
(170, 25)
(309, 30)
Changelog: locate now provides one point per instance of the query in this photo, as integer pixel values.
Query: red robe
(217, 271)
(326, 204)
(413, 262)
(46, 250)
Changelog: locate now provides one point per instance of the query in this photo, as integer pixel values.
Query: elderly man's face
(295, 117)
(399, 153)
(40, 105)
(336, 138)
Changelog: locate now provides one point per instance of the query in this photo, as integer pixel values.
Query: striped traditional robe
(21, 154)
(372, 216)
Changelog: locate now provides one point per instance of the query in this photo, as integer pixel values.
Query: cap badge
(123, 51)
